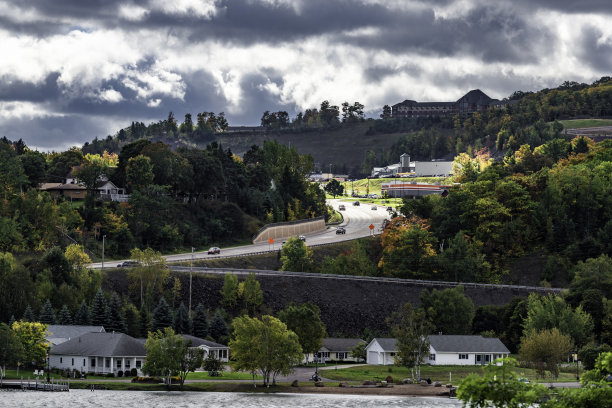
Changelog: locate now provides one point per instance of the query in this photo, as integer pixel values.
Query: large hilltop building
(473, 101)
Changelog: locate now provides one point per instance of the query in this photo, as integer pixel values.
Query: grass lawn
(436, 373)
(585, 123)
(226, 375)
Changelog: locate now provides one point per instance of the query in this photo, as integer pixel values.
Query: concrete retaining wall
(282, 230)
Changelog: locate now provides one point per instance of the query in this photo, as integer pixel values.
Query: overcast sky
(71, 70)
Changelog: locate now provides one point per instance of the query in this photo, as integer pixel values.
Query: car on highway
(214, 251)
(128, 264)
(340, 230)
(374, 208)
(341, 207)
(302, 238)
(390, 209)
(356, 203)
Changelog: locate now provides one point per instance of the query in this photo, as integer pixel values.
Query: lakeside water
(159, 399)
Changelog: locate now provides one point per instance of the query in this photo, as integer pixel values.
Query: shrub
(133, 372)
(119, 373)
(109, 375)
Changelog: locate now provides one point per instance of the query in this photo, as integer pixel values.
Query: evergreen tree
(28, 315)
(82, 315)
(98, 309)
(145, 322)
(182, 322)
(47, 314)
(116, 320)
(64, 316)
(200, 322)
(218, 328)
(132, 320)
(162, 316)
(11, 321)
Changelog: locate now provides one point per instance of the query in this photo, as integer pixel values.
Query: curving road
(357, 220)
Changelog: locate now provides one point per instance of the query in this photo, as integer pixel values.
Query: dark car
(356, 203)
(128, 264)
(341, 207)
(340, 230)
(214, 250)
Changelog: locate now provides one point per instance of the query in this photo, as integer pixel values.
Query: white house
(59, 333)
(464, 350)
(219, 351)
(381, 351)
(337, 349)
(99, 353)
(443, 350)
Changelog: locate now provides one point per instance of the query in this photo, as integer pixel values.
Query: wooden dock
(55, 385)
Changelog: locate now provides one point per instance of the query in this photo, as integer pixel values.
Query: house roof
(101, 344)
(59, 333)
(197, 342)
(61, 186)
(467, 344)
(475, 96)
(338, 344)
(387, 344)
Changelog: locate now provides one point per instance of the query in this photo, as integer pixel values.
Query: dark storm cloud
(569, 6)
(12, 89)
(597, 53)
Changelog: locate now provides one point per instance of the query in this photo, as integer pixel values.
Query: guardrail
(267, 227)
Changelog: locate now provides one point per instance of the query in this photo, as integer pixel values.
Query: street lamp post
(103, 236)
(48, 363)
(190, 274)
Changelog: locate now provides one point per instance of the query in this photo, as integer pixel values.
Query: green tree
(200, 322)
(218, 328)
(450, 310)
(334, 188)
(229, 291)
(32, 338)
(169, 354)
(47, 314)
(28, 315)
(545, 349)
(150, 274)
(82, 316)
(182, 322)
(305, 320)
(11, 349)
(295, 255)
(162, 316)
(139, 172)
(98, 309)
(64, 316)
(386, 112)
(251, 294)
(213, 365)
(115, 318)
(411, 329)
(264, 345)
(132, 320)
(550, 311)
(359, 352)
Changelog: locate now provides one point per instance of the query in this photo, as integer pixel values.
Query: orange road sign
(371, 226)
(271, 240)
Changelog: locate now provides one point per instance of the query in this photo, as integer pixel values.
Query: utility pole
(190, 276)
(103, 236)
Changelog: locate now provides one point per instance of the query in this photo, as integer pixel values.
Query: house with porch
(219, 351)
(99, 353)
(60, 333)
(337, 349)
(443, 350)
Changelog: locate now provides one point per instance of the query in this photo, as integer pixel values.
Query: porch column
(112, 366)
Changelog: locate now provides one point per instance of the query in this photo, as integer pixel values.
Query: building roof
(101, 345)
(338, 344)
(387, 344)
(197, 342)
(466, 344)
(61, 186)
(59, 333)
(475, 96)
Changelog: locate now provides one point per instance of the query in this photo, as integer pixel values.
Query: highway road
(357, 220)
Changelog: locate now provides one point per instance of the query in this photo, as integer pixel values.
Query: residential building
(473, 101)
(443, 350)
(99, 353)
(219, 351)
(337, 349)
(59, 333)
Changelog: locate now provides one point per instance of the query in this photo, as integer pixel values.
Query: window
(138, 363)
(127, 364)
(118, 363)
(83, 362)
(93, 363)
(60, 360)
(107, 362)
(342, 355)
(432, 357)
(73, 361)
(463, 356)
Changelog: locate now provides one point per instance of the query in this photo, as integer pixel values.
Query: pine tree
(47, 314)
(28, 315)
(11, 321)
(218, 328)
(182, 322)
(64, 316)
(145, 322)
(116, 320)
(82, 315)
(162, 316)
(132, 320)
(98, 309)
(200, 322)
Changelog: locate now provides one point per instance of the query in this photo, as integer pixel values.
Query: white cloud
(200, 8)
(110, 95)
